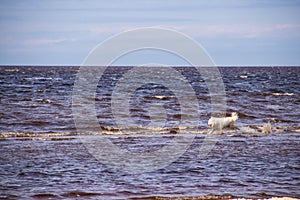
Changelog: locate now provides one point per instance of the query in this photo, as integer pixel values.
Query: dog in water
(218, 123)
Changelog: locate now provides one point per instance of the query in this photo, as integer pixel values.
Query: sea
(126, 132)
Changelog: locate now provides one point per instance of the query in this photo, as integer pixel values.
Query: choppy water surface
(38, 100)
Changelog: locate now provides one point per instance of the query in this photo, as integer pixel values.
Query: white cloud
(39, 42)
(241, 31)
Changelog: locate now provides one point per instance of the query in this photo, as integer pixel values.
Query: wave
(212, 196)
(283, 94)
(43, 79)
(12, 70)
(111, 130)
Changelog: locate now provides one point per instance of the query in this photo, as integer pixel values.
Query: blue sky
(233, 32)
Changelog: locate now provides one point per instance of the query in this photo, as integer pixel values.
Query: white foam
(248, 130)
(283, 94)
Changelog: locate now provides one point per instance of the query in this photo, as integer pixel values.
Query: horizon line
(76, 65)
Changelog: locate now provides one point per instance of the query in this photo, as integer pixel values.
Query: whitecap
(248, 130)
(12, 70)
(283, 94)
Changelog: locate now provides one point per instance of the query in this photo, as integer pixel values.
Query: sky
(233, 32)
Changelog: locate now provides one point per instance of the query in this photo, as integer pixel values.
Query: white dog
(218, 123)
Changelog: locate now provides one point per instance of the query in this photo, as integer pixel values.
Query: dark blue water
(39, 99)
(43, 157)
